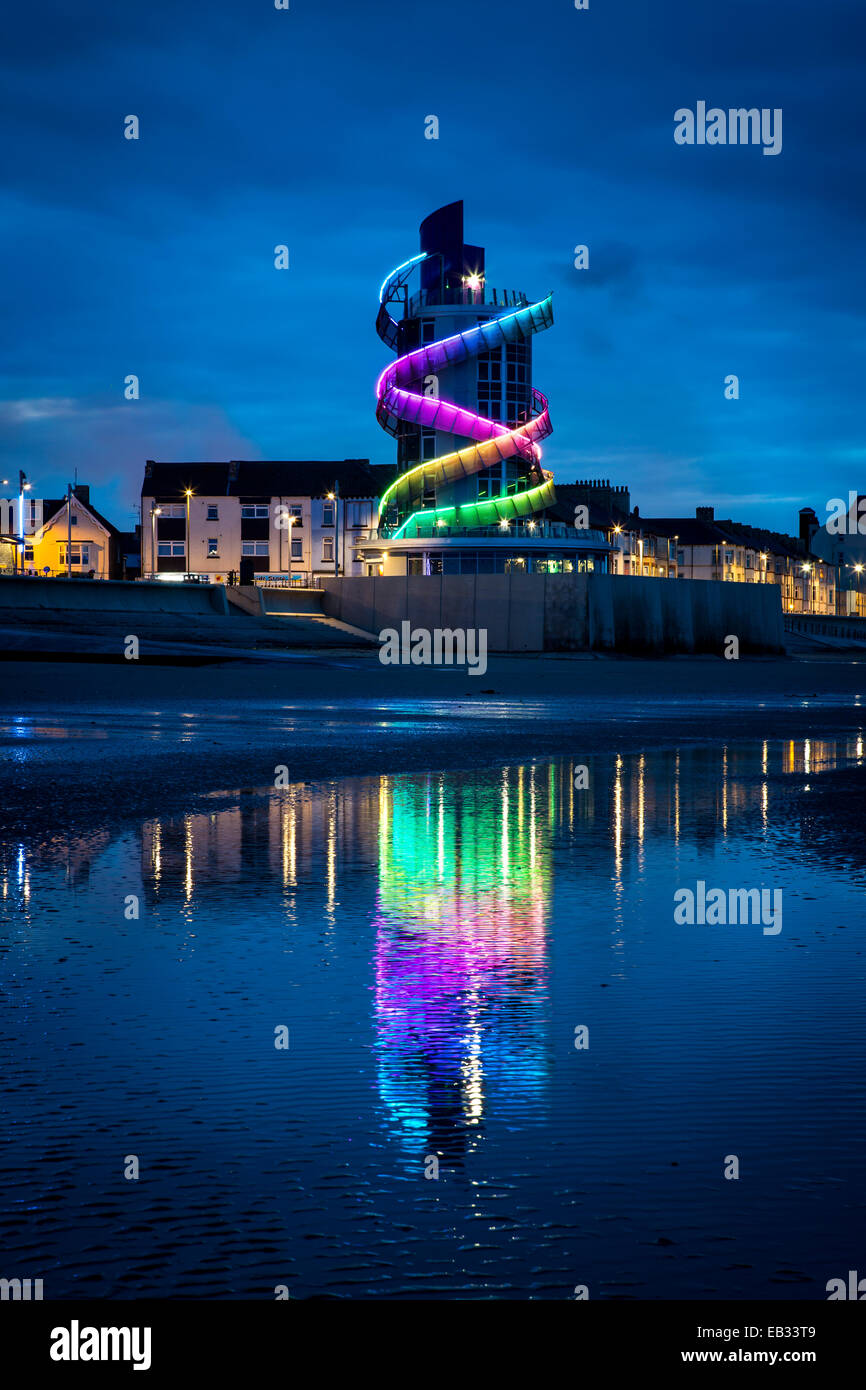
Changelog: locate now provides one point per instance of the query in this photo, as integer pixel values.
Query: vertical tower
(459, 398)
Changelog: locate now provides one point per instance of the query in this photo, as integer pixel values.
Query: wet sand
(77, 738)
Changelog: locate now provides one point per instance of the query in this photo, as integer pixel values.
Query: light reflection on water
(432, 942)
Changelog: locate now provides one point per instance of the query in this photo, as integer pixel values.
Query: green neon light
(490, 510)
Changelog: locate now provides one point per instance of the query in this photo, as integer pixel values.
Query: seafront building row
(467, 492)
(296, 522)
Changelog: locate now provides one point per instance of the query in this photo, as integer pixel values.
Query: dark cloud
(556, 127)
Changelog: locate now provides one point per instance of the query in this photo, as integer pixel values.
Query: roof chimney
(705, 513)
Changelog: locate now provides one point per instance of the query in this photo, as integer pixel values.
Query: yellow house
(95, 548)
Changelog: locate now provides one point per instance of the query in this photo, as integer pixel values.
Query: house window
(28, 552)
(298, 513)
(328, 549)
(255, 512)
(73, 520)
(428, 330)
(80, 555)
(297, 550)
(359, 514)
(213, 545)
(254, 547)
(213, 513)
(172, 509)
(171, 548)
(327, 514)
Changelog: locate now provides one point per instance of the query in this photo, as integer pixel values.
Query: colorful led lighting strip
(493, 442)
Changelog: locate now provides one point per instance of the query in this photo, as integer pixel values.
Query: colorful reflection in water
(431, 942)
(460, 950)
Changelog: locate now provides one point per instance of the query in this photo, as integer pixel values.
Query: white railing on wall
(298, 579)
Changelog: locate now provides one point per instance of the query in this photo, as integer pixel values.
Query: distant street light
(188, 494)
(155, 511)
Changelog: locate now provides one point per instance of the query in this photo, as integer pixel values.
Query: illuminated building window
(80, 555)
(213, 547)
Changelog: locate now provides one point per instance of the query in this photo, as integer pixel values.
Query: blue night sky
(306, 127)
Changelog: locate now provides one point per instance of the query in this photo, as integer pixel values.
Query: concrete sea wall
(111, 596)
(569, 612)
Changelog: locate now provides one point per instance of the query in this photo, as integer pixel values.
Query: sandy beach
(75, 736)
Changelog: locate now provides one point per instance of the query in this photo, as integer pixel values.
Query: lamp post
(188, 494)
(807, 569)
(337, 529)
(291, 519)
(23, 486)
(155, 511)
(335, 498)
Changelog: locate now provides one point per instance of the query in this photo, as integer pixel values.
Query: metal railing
(483, 298)
(181, 577)
(298, 579)
(539, 532)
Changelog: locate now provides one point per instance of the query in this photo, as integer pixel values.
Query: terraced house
(291, 520)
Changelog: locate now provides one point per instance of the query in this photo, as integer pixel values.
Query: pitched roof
(253, 478)
(757, 538)
(688, 529)
(570, 495)
(172, 479)
(51, 506)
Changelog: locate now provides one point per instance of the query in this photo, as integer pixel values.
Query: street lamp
(335, 498)
(155, 511)
(188, 495)
(291, 519)
(23, 486)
